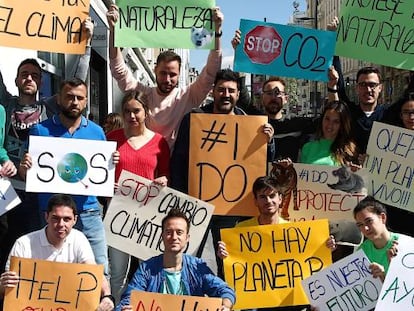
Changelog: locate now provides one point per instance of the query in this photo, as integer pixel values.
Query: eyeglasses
(371, 85)
(407, 113)
(275, 92)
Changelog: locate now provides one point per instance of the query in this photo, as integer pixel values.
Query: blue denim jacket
(197, 278)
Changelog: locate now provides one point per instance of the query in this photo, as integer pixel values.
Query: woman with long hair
(333, 144)
(144, 153)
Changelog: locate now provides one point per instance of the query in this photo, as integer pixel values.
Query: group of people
(152, 132)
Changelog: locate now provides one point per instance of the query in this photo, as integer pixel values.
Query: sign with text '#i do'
(184, 24)
(52, 25)
(381, 32)
(345, 285)
(134, 216)
(288, 51)
(83, 171)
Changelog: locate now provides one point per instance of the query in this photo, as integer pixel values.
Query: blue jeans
(91, 225)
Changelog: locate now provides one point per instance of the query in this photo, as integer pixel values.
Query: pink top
(152, 160)
(166, 112)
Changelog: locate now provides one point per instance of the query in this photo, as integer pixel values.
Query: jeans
(91, 225)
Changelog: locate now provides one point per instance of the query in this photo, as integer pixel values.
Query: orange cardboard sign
(227, 154)
(144, 301)
(49, 285)
(46, 25)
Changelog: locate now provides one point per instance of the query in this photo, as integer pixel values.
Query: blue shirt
(87, 129)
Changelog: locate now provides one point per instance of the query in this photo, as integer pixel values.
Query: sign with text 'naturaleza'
(184, 24)
(52, 25)
(381, 32)
(288, 51)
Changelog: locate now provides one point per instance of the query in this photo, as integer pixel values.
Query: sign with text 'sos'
(267, 263)
(134, 216)
(381, 32)
(50, 285)
(345, 285)
(52, 25)
(64, 165)
(227, 154)
(289, 51)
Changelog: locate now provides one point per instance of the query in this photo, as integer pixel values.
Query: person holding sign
(8, 169)
(70, 123)
(144, 153)
(167, 102)
(174, 272)
(22, 113)
(333, 144)
(380, 244)
(58, 241)
(267, 198)
(289, 132)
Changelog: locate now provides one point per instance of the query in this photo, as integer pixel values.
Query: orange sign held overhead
(46, 25)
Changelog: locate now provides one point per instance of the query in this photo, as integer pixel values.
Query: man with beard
(70, 123)
(167, 102)
(368, 110)
(22, 112)
(289, 132)
(226, 93)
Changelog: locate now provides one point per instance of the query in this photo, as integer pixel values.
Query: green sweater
(318, 152)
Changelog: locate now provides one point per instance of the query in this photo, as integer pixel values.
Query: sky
(274, 11)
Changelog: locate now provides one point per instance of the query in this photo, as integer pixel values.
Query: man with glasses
(368, 110)
(289, 131)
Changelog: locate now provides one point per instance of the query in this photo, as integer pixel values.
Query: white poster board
(391, 163)
(321, 191)
(398, 289)
(345, 285)
(71, 166)
(8, 197)
(133, 219)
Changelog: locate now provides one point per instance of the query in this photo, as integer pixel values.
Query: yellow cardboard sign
(52, 25)
(227, 154)
(144, 301)
(49, 285)
(267, 263)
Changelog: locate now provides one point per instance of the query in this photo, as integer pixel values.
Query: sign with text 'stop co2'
(289, 51)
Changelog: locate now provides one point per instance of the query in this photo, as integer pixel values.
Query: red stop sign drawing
(262, 44)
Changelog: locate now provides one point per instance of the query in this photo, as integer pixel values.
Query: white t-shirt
(75, 248)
